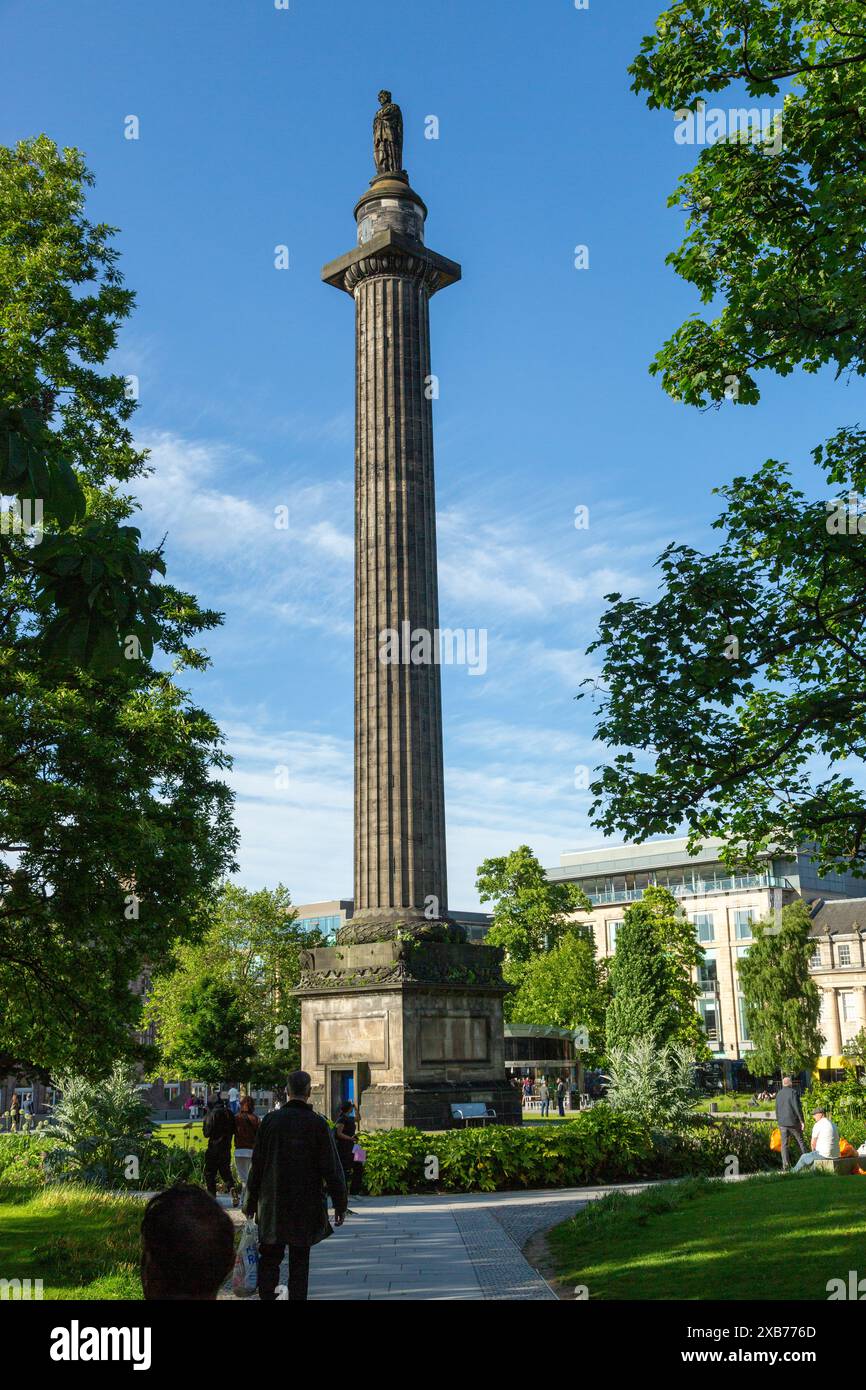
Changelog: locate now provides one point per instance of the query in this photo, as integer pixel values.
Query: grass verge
(768, 1237)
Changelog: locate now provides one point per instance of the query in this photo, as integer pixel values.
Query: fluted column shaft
(399, 799)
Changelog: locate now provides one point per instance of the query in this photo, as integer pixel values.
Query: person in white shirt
(234, 1100)
(825, 1141)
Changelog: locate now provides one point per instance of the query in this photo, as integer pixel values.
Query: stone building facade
(722, 907)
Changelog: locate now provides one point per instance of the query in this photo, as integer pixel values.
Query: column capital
(389, 253)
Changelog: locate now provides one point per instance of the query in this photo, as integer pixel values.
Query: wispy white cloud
(514, 736)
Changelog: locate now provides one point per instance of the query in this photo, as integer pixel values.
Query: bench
(472, 1110)
(844, 1165)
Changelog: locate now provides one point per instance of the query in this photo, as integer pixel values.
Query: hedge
(600, 1145)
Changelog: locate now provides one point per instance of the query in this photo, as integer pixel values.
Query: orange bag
(776, 1141)
(846, 1149)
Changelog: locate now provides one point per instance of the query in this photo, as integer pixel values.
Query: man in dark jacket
(219, 1130)
(789, 1118)
(294, 1162)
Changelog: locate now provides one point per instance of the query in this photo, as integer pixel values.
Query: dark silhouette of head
(248, 1105)
(187, 1244)
(299, 1085)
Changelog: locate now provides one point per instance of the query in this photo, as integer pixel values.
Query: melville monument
(401, 1014)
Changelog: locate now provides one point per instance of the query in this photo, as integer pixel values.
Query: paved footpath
(452, 1247)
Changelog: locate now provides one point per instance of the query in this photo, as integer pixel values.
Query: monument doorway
(341, 1084)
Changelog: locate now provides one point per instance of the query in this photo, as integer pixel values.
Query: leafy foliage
(251, 943)
(530, 913)
(641, 978)
(112, 824)
(854, 1051)
(213, 1034)
(652, 1083)
(600, 1145)
(98, 1127)
(744, 680)
(564, 987)
(64, 429)
(777, 238)
(22, 1158)
(782, 1001)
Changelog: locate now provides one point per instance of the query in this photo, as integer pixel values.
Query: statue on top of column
(388, 136)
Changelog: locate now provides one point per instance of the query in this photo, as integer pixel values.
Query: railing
(697, 888)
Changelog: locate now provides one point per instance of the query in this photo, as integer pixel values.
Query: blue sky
(255, 132)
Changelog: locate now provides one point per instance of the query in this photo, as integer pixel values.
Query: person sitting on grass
(825, 1141)
(187, 1245)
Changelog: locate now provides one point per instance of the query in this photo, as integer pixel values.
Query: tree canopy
(564, 987)
(734, 700)
(782, 1001)
(530, 911)
(113, 824)
(251, 946)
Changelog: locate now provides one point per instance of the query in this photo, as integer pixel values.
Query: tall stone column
(400, 866)
(401, 1013)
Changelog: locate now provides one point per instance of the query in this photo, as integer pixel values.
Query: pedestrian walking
(560, 1096)
(234, 1100)
(246, 1131)
(345, 1137)
(789, 1118)
(15, 1112)
(218, 1127)
(295, 1162)
(544, 1096)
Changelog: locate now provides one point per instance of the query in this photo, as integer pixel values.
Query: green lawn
(184, 1136)
(79, 1242)
(726, 1104)
(764, 1238)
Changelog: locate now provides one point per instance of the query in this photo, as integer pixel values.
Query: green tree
(677, 941)
(213, 1038)
(564, 987)
(743, 680)
(253, 944)
(530, 912)
(641, 978)
(113, 826)
(782, 1001)
(854, 1052)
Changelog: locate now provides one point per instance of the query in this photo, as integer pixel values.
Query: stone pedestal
(413, 1027)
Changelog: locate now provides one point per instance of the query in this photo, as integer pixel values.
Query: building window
(704, 925)
(745, 1035)
(743, 918)
(844, 955)
(171, 1091)
(709, 1012)
(612, 932)
(815, 959)
(708, 977)
(847, 1008)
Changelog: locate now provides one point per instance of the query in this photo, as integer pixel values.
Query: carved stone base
(408, 1028)
(428, 1106)
(398, 925)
